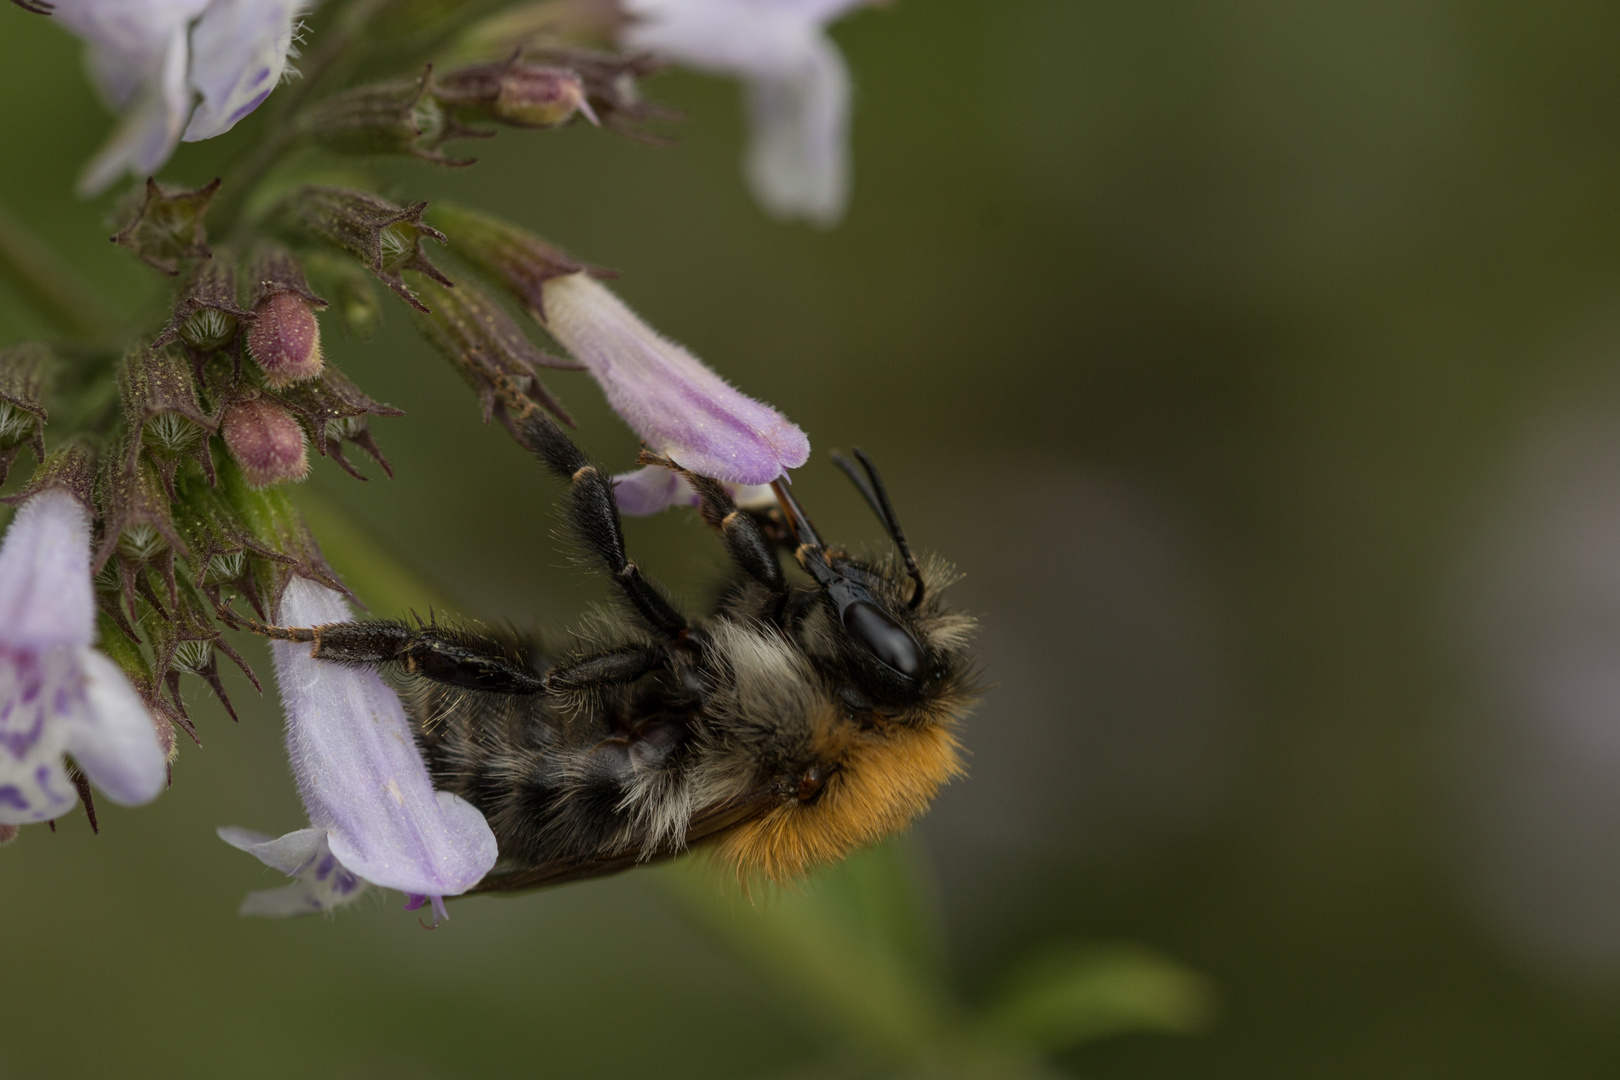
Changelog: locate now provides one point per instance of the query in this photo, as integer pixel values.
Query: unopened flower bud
(286, 339)
(206, 315)
(523, 95)
(23, 374)
(266, 442)
(164, 415)
(386, 239)
(167, 228)
(399, 117)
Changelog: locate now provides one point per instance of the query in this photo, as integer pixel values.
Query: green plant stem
(382, 580)
(50, 288)
(242, 179)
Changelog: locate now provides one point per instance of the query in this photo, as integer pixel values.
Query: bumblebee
(794, 724)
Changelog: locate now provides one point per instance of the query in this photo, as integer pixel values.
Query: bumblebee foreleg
(745, 543)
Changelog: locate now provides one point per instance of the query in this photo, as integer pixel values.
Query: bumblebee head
(865, 753)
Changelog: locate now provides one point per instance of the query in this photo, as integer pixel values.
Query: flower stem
(49, 287)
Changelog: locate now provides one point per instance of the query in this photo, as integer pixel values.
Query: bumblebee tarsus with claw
(793, 724)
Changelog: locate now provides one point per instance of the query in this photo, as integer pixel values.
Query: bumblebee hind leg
(453, 657)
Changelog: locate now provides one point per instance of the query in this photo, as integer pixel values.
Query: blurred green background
(1256, 363)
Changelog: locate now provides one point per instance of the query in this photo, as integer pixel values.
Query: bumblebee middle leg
(591, 509)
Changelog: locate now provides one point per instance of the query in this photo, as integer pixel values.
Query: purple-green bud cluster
(514, 93)
(182, 471)
(164, 458)
(418, 116)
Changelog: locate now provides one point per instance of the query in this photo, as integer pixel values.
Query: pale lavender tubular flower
(364, 784)
(151, 58)
(797, 85)
(653, 488)
(58, 695)
(679, 407)
(320, 882)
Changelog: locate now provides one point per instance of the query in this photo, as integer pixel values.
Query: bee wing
(705, 825)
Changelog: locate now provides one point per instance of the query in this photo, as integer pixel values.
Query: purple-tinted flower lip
(256, 102)
(414, 902)
(59, 696)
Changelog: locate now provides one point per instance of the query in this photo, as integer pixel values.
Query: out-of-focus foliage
(858, 947)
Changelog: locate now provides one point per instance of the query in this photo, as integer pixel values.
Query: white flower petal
(239, 50)
(57, 695)
(653, 488)
(817, 11)
(360, 774)
(46, 597)
(650, 489)
(798, 88)
(723, 37)
(112, 739)
(150, 130)
(797, 163)
(288, 853)
(128, 40)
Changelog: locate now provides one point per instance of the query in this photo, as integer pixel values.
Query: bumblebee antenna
(877, 497)
(860, 483)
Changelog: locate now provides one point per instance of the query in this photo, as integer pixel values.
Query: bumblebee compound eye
(873, 628)
(883, 638)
